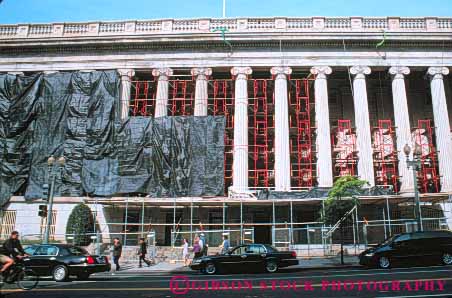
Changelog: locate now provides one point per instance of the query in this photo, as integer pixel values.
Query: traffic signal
(42, 211)
(45, 192)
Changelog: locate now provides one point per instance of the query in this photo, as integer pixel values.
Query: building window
(8, 218)
(52, 225)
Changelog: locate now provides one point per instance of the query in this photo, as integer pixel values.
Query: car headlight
(196, 261)
(369, 254)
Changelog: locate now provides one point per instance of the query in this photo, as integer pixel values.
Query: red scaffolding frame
(261, 133)
(428, 178)
(385, 155)
(142, 101)
(221, 103)
(344, 149)
(181, 101)
(301, 140)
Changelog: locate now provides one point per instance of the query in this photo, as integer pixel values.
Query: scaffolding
(301, 134)
(181, 99)
(428, 178)
(221, 103)
(290, 224)
(385, 155)
(261, 133)
(344, 149)
(142, 101)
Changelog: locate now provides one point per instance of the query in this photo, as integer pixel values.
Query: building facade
(305, 101)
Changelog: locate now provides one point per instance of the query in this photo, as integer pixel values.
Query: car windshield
(78, 251)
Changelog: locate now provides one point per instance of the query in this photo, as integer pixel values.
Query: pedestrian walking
(185, 253)
(117, 252)
(204, 246)
(142, 251)
(197, 248)
(225, 245)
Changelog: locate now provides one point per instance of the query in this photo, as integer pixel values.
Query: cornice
(119, 46)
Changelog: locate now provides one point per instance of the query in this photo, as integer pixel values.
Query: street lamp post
(52, 175)
(415, 165)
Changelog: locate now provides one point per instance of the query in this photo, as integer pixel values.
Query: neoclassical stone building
(305, 101)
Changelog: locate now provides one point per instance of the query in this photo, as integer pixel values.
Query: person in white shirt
(185, 254)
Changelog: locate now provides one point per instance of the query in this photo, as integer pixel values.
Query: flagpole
(224, 8)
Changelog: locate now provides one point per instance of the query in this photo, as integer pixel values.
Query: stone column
(402, 124)
(282, 150)
(161, 99)
(442, 126)
(201, 94)
(126, 84)
(240, 151)
(362, 123)
(322, 122)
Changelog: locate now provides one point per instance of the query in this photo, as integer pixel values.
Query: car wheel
(83, 276)
(384, 263)
(60, 273)
(210, 268)
(271, 267)
(447, 258)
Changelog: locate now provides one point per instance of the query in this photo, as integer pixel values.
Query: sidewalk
(304, 263)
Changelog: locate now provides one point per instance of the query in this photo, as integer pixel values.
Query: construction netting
(76, 115)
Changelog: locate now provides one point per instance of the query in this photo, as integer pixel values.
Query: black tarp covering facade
(76, 114)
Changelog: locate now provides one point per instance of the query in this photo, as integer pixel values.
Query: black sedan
(418, 248)
(251, 256)
(61, 260)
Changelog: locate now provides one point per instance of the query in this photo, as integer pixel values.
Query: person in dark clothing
(142, 251)
(11, 248)
(117, 251)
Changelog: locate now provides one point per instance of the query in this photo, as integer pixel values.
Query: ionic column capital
(126, 72)
(201, 73)
(437, 72)
(281, 71)
(321, 71)
(399, 72)
(241, 72)
(163, 73)
(360, 71)
(16, 73)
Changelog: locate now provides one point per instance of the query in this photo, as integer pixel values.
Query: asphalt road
(313, 283)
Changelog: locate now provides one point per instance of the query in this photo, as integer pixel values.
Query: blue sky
(40, 11)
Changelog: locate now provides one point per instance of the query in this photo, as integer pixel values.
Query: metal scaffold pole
(389, 217)
(125, 221)
(241, 221)
(142, 218)
(191, 221)
(273, 223)
(173, 241)
(291, 222)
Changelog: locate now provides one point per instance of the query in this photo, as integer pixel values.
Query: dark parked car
(426, 247)
(61, 260)
(251, 256)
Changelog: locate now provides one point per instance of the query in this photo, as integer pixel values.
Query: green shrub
(79, 225)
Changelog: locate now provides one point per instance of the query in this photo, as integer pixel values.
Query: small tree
(79, 224)
(342, 197)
